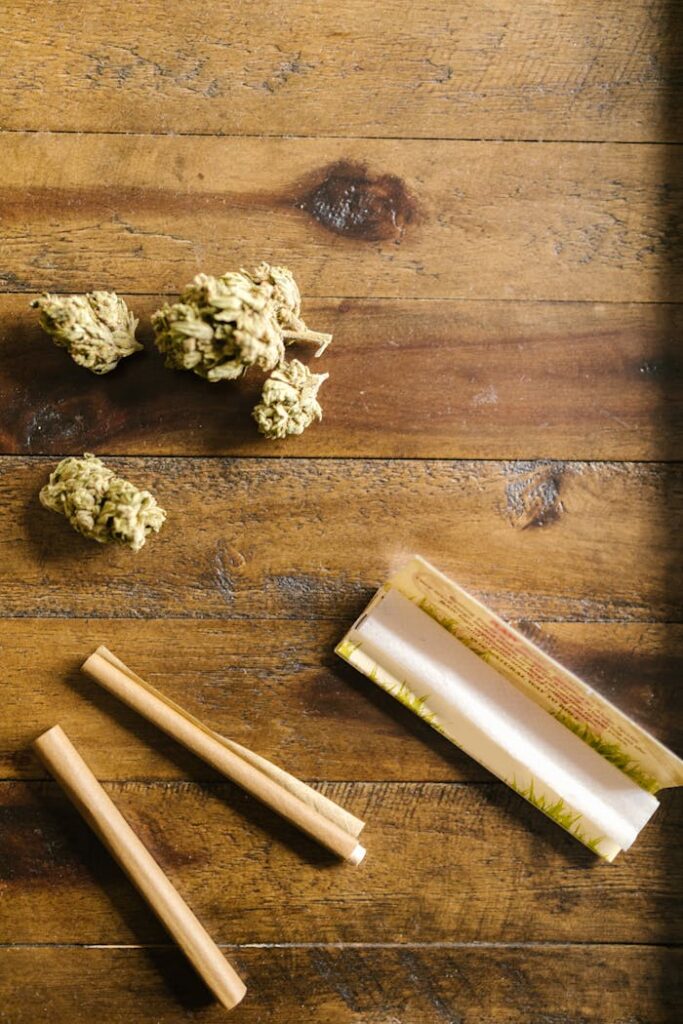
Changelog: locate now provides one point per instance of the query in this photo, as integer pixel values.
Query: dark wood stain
(347, 199)
(63, 408)
(110, 202)
(150, 829)
(33, 847)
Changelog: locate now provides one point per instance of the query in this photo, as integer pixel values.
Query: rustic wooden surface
(284, 671)
(250, 879)
(482, 203)
(434, 69)
(485, 379)
(350, 984)
(408, 218)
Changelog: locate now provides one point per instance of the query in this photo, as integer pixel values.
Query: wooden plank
(408, 378)
(423, 985)
(445, 861)
(353, 218)
(277, 687)
(313, 538)
(504, 70)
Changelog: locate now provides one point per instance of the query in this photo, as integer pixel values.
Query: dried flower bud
(223, 325)
(101, 505)
(97, 329)
(289, 403)
(286, 293)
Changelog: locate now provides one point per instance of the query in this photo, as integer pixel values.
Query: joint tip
(357, 855)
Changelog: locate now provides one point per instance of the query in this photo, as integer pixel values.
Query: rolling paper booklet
(512, 707)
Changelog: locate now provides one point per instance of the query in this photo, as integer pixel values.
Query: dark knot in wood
(349, 201)
(532, 495)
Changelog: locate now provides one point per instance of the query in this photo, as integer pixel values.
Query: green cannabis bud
(223, 325)
(288, 403)
(97, 329)
(101, 505)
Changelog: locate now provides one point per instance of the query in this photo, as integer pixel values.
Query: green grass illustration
(593, 844)
(612, 752)
(406, 697)
(345, 648)
(557, 812)
(434, 613)
(401, 691)
(452, 625)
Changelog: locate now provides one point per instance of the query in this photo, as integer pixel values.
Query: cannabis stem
(315, 337)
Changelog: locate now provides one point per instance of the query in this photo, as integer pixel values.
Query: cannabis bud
(223, 325)
(97, 329)
(288, 403)
(101, 505)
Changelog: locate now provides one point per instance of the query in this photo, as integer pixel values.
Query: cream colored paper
(509, 705)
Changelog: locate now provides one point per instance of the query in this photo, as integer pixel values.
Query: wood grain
(352, 218)
(408, 379)
(503, 70)
(277, 688)
(313, 538)
(471, 863)
(378, 985)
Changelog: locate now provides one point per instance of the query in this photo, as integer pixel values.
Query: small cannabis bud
(97, 329)
(101, 505)
(223, 325)
(288, 402)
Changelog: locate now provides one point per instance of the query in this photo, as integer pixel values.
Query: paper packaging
(506, 703)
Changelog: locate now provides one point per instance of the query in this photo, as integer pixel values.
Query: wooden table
(480, 201)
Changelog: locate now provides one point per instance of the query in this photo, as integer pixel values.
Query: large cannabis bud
(223, 325)
(288, 402)
(97, 329)
(287, 299)
(101, 505)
